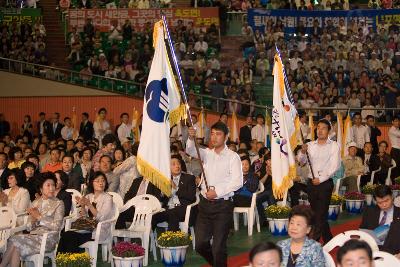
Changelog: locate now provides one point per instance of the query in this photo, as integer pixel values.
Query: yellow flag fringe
(154, 176)
(287, 182)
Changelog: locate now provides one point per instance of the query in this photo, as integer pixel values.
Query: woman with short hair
(299, 250)
(45, 216)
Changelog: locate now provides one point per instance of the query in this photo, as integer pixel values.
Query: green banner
(20, 14)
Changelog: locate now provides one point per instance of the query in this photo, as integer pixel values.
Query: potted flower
(173, 246)
(354, 202)
(278, 219)
(395, 189)
(73, 260)
(368, 191)
(334, 207)
(126, 254)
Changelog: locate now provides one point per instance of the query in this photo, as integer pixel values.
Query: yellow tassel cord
(287, 182)
(293, 138)
(158, 25)
(176, 115)
(154, 176)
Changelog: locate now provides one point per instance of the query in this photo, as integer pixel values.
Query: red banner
(102, 18)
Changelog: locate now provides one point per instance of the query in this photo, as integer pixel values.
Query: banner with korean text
(142, 18)
(258, 18)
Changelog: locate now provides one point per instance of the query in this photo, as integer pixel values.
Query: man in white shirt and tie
(325, 161)
(223, 172)
(125, 129)
(361, 133)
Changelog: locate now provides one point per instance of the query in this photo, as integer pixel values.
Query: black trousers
(320, 197)
(70, 242)
(172, 216)
(241, 201)
(124, 217)
(294, 193)
(395, 154)
(365, 179)
(213, 221)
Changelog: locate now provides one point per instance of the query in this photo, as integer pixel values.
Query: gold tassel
(154, 176)
(279, 192)
(176, 115)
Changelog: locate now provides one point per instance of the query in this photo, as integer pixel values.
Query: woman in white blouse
(16, 196)
(98, 205)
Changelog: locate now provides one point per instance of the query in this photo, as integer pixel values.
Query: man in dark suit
(4, 126)
(140, 186)
(375, 132)
(54, 132)
(183, 194)
(43, 125)
(245, 131)
(4, 171)
(371, 163)
(385, 213)
(86, 128)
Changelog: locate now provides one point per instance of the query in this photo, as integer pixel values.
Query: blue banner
(258, 18)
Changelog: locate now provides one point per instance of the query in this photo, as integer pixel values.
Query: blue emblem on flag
(157, 100)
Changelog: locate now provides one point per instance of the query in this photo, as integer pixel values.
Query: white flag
(339, 135)
(284, 126)
(162, 109)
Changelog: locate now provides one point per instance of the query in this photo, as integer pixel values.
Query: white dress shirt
(258, 133)
(361, 135)
(174, 199)
(394, 137)
(223, 170)
(67, 133)
(124, 131)
(325, 159)
(366, 160)
(101, 128)
(389, 216)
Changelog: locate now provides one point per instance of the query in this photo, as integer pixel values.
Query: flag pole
(171, 48)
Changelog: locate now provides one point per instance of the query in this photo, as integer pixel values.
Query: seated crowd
(343, 66)
(44, 161)
(23, 41)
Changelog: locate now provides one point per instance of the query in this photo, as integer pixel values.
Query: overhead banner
(258, 18)
(103, 18)
(30, 15)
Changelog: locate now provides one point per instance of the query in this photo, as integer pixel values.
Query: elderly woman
(16, 196)
(45, 215)
(98, 205)
(299, 250)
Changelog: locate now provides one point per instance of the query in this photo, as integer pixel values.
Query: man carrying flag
(162, 108)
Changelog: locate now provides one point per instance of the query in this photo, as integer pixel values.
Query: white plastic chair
(250, 212)
(384, 259)
(329, 262)
(388, 179)
(38, 259)
(373, 175)
(184, 226)
(145, 206)
(74, 209)
(8, 222)
(341, 238)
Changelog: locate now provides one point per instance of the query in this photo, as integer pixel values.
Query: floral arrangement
(277, 212)
(395, 186)
(73, 260)
(336, 199)
(368, 189)
(397, 180)
(174, 239)
(127, 250)
(354, 196)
